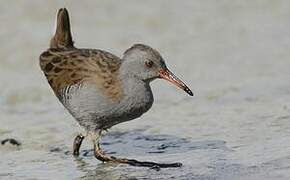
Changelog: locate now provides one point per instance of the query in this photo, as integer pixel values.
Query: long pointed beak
(169, 76)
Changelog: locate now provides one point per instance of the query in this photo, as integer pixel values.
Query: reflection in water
(106, 171)
(138, 143)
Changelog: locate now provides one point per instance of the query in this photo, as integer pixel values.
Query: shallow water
(234, 55)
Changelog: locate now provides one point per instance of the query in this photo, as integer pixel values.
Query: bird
(100, 89)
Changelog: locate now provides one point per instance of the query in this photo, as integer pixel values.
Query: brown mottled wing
(64, 68)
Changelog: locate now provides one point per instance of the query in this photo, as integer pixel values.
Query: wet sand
(233, 54)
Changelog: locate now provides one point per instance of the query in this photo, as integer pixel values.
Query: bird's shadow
(139, 142)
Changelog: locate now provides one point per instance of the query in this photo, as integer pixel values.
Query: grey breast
(94, 111)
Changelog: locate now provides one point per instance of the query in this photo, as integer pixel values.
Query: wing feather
(64, 68)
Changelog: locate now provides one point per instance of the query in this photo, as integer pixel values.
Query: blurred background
(233, 54)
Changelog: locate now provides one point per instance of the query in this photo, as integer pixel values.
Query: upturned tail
(62, 37)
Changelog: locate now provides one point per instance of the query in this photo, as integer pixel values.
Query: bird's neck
(132, 86)
(137, 93)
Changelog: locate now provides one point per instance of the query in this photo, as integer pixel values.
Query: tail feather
(62, 37)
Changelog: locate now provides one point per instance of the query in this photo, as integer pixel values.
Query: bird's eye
(149, 63)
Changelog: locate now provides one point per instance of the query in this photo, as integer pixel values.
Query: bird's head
(146, 64)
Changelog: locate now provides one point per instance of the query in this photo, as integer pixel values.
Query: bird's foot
(100, 155)
(77, 144)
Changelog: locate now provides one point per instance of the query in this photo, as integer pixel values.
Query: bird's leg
(77, 144)
(100, 155)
